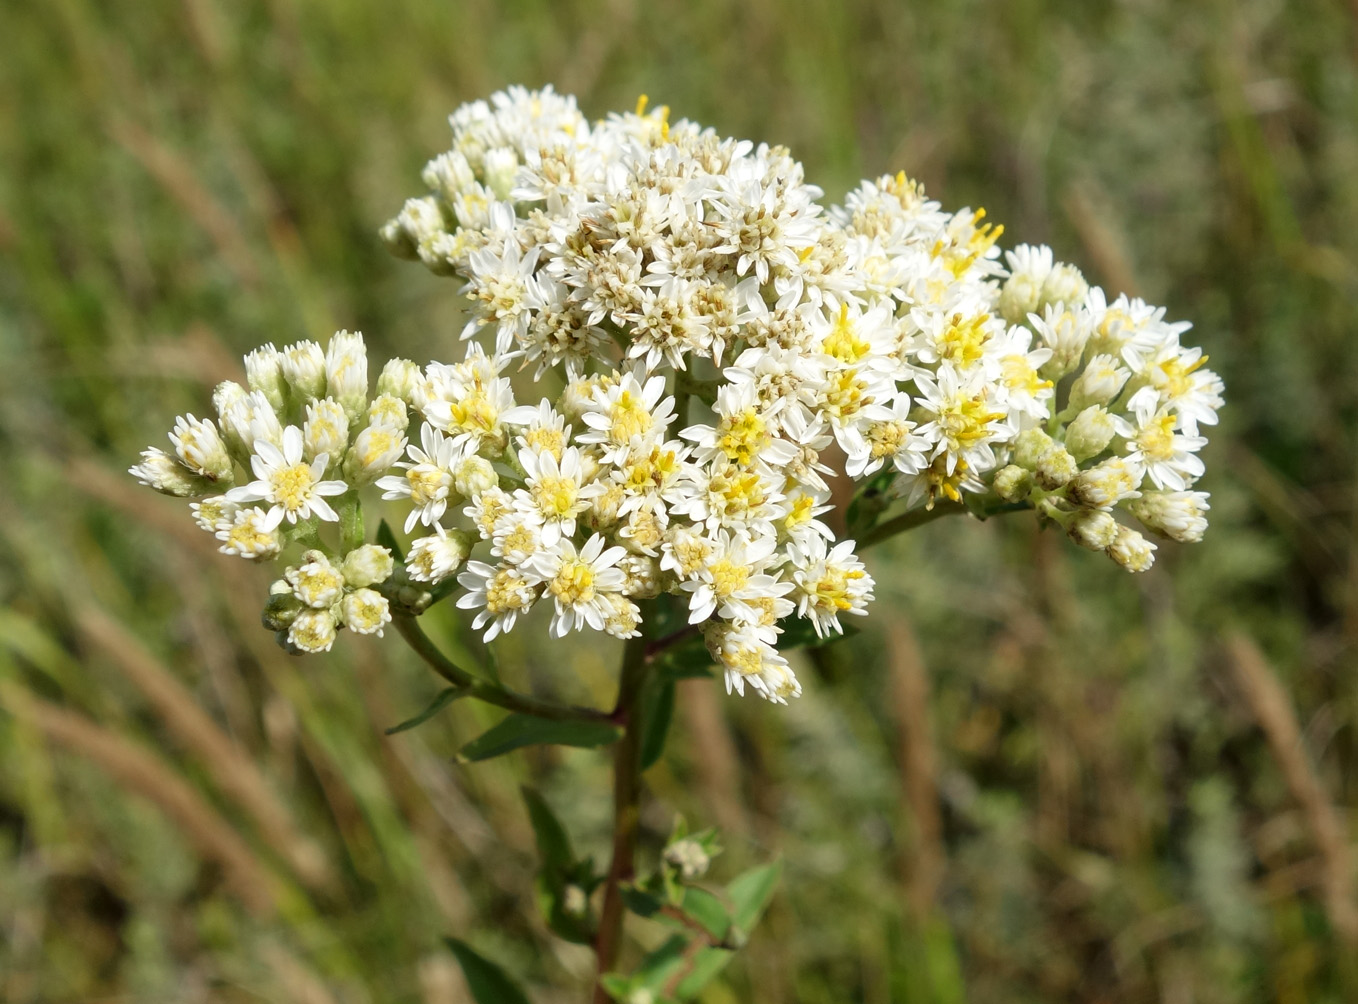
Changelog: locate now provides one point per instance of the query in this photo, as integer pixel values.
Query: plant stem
(918, 517)
(484, 690)
(626, 808)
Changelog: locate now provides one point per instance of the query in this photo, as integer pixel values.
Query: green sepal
(387, 539)
(518, 730)
(445, 697)
(488, 983)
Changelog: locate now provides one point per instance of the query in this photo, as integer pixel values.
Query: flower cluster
(644, 270)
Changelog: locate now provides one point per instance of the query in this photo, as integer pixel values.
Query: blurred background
(1032, 778)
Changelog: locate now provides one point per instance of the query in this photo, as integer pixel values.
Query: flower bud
(1031, 444)
(304, 369)
(1055, 467)
(1021, 296)
(212, 512)
(473, 476)
(365, 611)
(168, 476)
(401, 379)
(1105, 485)
(1092, 528)
(1177, 515)
(281, 610)
(346, 372)
(432, 559)
(202, 449)
(389, 412)
(367, 566)
(501, 166)
(326, 431)
(1099, 382)
(397, 235)
(246, 418)
(1013, 483)
(316, 582)
(688, 856)
(448, 174)
(1090, 433)
(1131, 550)
(264, 373)
(374, 452)
(1064, 285)
(311, 631)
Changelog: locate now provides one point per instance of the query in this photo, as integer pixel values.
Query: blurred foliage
(1031, 778)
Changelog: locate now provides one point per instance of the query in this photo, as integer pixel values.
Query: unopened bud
(374, 452)
(367, 565)
(1055, 468)
(346, 372)
(281, 610)
(1031, 444)
(1013, 483)
(365, 611)
(1131, 550)
(1092, 528)
(304, 370)
(1090, 433)
(168, 476)
(326, 431)
(1105, 485)
(400, 378)
(311, 631)
(1099, 382)
(1177, 515)
(264, 373)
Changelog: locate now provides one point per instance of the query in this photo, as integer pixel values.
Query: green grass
(184, 181)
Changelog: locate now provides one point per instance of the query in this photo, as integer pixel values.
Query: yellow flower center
(1020, 375)
(843, 342)
(728, 578)
(1174, 375)
(574, 583)
(506, 591)
(743, 436)
(292, 486)
(630, 418)
(965, 420)
(832, 588)
(556, 495)
(427, 484)
(1157, 439)
(964, 339)
(845, 396)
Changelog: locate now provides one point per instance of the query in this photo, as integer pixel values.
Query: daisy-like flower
(828, 581)
(429, 477)
(743, 435)
(294, 489)
(556, 492)
(247, 533)
(746, 658)
(733, 578)
(498, 595)
(577, 582)
(1155, 443)
(432, 559)
(624, 410)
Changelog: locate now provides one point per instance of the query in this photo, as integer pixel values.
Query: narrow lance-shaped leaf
(445, 697)
(488, 983)
(526, 730)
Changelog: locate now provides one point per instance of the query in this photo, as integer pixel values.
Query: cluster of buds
(644, 269)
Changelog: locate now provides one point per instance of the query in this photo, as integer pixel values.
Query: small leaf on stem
(526, 730)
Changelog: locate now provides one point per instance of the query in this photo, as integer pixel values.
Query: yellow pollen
(800, 513)
(475, 413)
(743, 437)
(728, 578)
(885, 438)
(965, 419)
(292, 486)
(843, 341)
(1020, 375)
(546, 440)
(1157, 439)
(642, 102)
(845, 396)
(963, 341)
(832, 589)
(427, 484)
(940, 480)
(630, 418)
(1176, 375)
(574, 583)
(556, 496)
(505, 592)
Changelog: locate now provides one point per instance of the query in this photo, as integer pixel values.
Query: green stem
(626, 808)
(351, 522)
(918, 517)
(484, 690)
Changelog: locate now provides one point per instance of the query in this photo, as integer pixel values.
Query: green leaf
(488, 983)
(640, 901)
(658, 966)
(526, 730)
(701, 906)
(554, 843)
(387, 539)
(706, 965)
(750, 893)
(657, 711)
(445, 697)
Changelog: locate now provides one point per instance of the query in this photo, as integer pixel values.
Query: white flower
(365, 611)
(374, 452)
(1105, 485)
(428, 480)
(346, 372)
(326, 430)
(1177, 515)
(316, 582)
(303, 365)
(201, 449)
(1154, 443)
(498, 595)
(312, 631)
(264, 373)
(555, 492)
(294, 488)
(828, 582)
(742, 435)
(626, 409)
(745, 657)
(432, 559)
(733, 578)
(577, 582)
(248, 533)
(367, 565)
